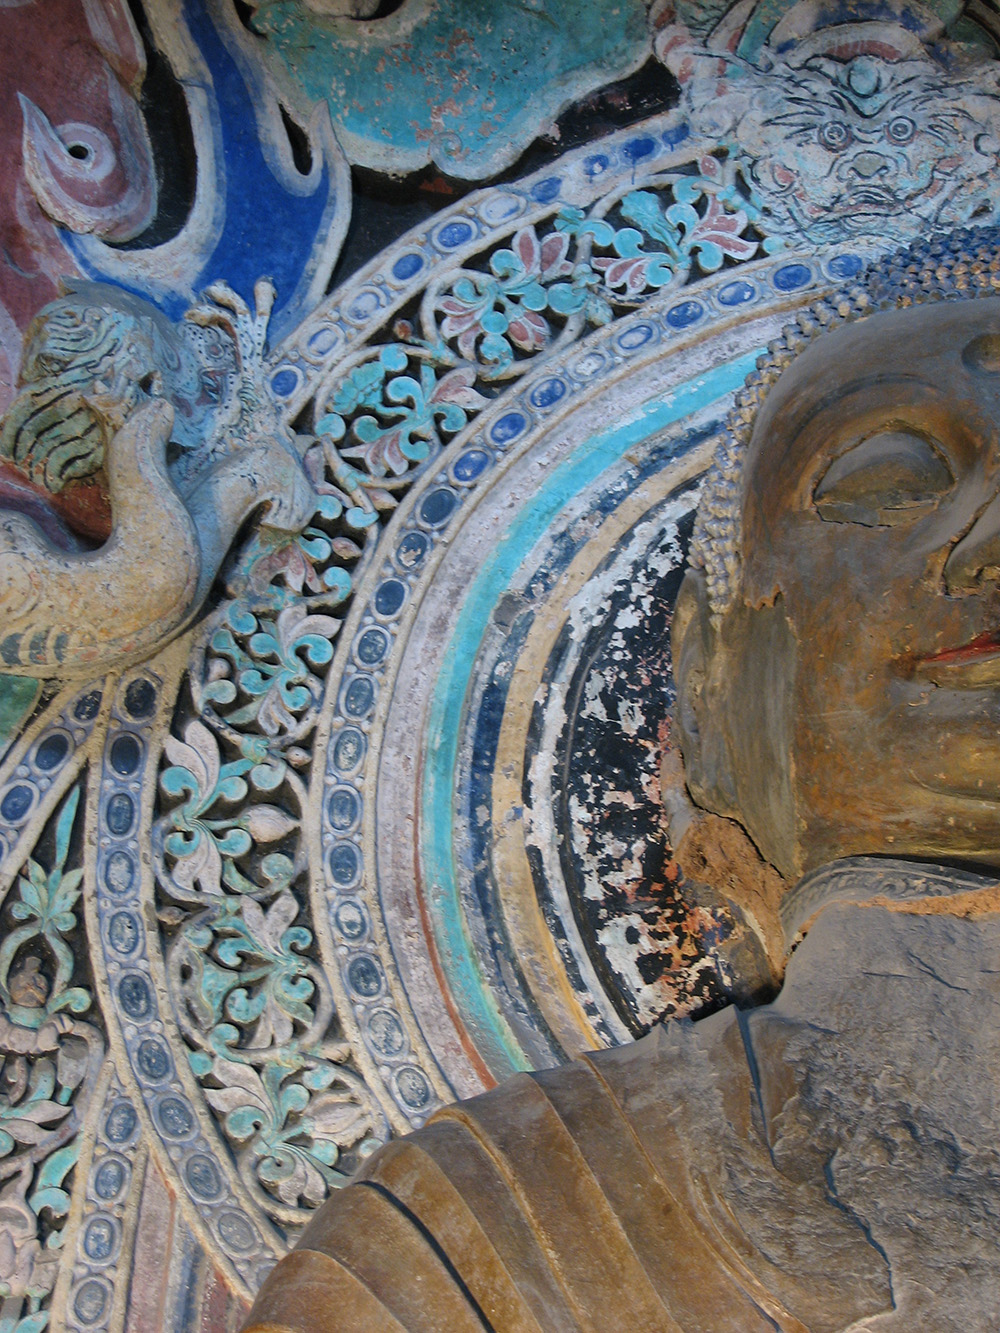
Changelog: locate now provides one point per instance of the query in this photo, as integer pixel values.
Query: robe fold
(820, 1164)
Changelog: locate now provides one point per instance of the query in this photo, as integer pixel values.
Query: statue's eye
(889, 478)
(834, 135)
(900, 129)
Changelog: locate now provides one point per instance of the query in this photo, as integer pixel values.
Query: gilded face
(851, 698)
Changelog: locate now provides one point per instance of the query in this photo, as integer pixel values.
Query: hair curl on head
(959, 266)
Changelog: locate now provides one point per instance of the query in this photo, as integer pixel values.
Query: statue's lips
(972, 664)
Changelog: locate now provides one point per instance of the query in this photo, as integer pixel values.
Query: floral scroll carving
(253, 1005)
(50, 1062)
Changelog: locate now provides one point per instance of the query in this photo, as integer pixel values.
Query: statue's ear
(702, 708)
(690, 644)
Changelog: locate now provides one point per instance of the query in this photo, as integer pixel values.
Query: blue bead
(51, 752)
(389, 597)
(16, 804)
(454, 234)
(686, 313)
(789, 277)
(436, 508)
(508, 427)
(545, 191)
(406, 266)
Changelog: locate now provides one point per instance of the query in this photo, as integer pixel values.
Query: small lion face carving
(841, 149)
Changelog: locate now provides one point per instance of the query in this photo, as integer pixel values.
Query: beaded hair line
(961, 265)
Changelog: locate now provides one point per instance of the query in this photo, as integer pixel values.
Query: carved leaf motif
(274, 716)
(715, 235)
(52, 1173)
(552, 260)
(200, 867)
(529, 331)
(343, 1122)
(636, 273)
(198, 753)
(292, 563)
(266, 823)
(528, 258)
(268, 928)
(294, 1177)
(242, 1091)
(456, 387)
(25, 1123)
(310, 634)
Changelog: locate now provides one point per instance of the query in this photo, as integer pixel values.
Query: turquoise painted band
(477, 1004)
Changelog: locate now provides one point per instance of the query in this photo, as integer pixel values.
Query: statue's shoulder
(535, 1208)
(451, 1226)
(637, 1181)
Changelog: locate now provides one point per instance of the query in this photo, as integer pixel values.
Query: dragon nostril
(867, 165)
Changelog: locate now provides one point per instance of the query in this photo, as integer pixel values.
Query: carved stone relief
(330, 734)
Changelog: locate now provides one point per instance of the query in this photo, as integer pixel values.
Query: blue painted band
(479, 1008)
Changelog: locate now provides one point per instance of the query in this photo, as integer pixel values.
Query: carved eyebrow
(797, 124)
(807, 92)
(834, 399)
(951, 120)
(828, 95)
(808, 111)
(941, 129)
(911, 83)
(924, 98)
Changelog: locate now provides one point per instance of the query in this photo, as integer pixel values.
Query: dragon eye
(834, 135)
(900, 129)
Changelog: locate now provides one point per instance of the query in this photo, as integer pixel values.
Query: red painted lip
(981, 646)
(972, 664)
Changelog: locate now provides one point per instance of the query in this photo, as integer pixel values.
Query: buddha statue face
(847, 700)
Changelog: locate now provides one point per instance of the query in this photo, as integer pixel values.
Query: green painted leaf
(56, 1200)
(54, 1169)
(64, 827)
(32, 1323)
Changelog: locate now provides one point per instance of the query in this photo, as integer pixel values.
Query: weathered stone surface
(825, 1162)
(876, 1068)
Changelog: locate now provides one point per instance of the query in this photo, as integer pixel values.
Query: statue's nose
(976, 558)
(867, 165)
